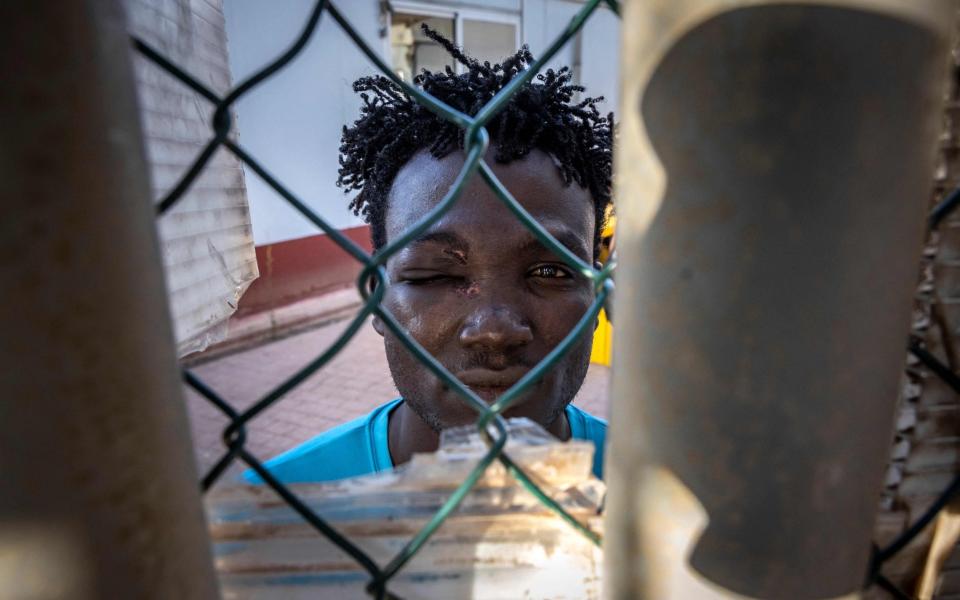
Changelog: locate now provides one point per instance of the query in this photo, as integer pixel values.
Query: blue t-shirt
(360, 447)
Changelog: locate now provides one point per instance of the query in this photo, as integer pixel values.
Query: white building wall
(600, 58)
(293, 122)
(599, 44)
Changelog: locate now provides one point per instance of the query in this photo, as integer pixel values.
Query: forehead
(534, 181)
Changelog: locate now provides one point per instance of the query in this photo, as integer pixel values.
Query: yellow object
(606, 237)
(603, 336)
(602, 341)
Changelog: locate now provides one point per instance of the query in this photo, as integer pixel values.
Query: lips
(489, 384)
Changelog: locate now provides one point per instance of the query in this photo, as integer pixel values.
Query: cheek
(428, 316)
(560, 315)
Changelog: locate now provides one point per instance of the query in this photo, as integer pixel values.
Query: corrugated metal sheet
(499, 543)
(206, 239)
(926, 447)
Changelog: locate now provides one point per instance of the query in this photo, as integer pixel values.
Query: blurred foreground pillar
(774, 168)
(99, 495)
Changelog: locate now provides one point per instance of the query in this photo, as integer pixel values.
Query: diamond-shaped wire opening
(373, 270)
(477, 140)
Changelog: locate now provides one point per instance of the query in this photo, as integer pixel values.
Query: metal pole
(99, 494)
(774, 168)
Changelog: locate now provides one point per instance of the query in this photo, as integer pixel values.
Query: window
(485, 35)
(411, 50)
(488, 40)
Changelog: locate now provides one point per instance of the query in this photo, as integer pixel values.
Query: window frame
(458, 14)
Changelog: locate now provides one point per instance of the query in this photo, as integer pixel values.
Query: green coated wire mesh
(490, 423)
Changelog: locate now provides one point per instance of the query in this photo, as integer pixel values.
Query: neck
(408, 434)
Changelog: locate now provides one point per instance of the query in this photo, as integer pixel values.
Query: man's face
(481, 294)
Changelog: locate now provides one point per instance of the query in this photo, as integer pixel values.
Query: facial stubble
(415, 383)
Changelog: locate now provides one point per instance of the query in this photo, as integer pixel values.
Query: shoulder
(347, 450)
(584, 426)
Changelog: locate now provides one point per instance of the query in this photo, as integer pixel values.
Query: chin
(447, 409)
(459, 417)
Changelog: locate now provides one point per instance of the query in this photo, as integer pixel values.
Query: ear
(608, 309)
(377, 322)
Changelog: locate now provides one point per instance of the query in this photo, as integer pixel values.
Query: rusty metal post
(774, 168)
(98, 490)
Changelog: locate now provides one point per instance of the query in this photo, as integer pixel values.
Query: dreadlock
(393, 127)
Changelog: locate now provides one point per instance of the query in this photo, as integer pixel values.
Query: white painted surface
(600, 59)
(544, 20)
(293, 122)
(206, 240)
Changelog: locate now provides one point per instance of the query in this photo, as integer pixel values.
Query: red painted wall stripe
(296, 269)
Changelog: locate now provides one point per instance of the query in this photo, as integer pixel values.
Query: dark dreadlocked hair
(393, 127)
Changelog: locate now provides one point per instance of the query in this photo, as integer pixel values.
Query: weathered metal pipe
(98, 490)
(774, 167)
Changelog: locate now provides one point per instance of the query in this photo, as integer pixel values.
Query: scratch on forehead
(452, 244)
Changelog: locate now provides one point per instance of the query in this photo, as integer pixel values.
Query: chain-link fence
(372, 283)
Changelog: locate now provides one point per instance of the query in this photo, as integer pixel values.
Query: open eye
(550, 272)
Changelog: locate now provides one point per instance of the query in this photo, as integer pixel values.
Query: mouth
(490, 384)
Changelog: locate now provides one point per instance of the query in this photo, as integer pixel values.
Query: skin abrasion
(459, 255)
(494, 312)
(470, 289)
(477, 290)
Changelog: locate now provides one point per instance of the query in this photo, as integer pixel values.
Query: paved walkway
(350, 385)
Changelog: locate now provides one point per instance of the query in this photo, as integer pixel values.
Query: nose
(495, 329)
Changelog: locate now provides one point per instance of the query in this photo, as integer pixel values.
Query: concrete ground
(350, 385)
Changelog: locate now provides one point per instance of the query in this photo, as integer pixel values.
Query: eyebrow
(567, 238)
(446, 238)
(562, 234)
